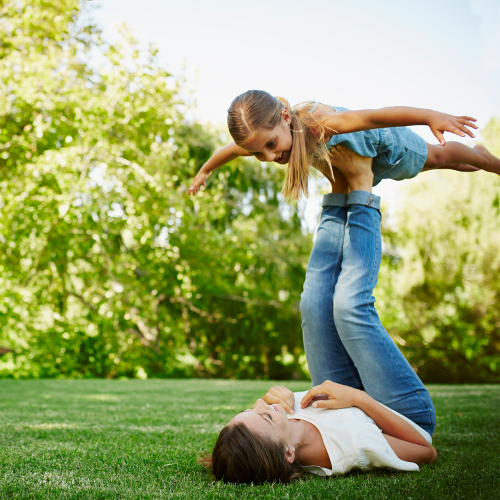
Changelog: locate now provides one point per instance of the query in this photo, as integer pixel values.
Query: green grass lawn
(140, 439)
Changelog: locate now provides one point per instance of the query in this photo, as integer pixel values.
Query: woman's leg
(384, 371)
(326, 356)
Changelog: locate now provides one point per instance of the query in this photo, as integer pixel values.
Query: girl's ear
(286, 116)
(290, 454)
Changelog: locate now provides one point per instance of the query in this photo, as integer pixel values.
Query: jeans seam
(339, 259)
(425, 403)
(354, 375)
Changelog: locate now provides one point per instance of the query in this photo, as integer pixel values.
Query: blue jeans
(344, 339)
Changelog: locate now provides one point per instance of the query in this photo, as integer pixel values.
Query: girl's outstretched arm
(345, 122)
(220, 157)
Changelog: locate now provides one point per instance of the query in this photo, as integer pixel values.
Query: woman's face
(272, 145)
(268, 421)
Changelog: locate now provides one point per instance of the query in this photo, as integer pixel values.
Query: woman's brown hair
(255, 110)
(241, 457)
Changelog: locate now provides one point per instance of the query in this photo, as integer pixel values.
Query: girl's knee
(436, 156)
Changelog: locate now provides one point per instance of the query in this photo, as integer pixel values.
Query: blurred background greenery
(107, 269)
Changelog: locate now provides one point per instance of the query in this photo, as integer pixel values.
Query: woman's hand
(339, 396)
(198, 181)
(280, 395)
(441, 122)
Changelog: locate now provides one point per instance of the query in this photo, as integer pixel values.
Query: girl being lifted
(267, 128)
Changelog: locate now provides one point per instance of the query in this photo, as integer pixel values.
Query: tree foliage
(439, 287)
(107, 268)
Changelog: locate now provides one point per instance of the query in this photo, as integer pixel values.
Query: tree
(107, 268)
(439, 287)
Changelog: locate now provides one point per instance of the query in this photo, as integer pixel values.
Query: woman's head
(255, 447)
(267, 127)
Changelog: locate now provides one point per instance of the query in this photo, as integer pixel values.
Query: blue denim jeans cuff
(335, 200)
(363, 198)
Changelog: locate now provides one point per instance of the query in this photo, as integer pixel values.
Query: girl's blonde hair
(255, 110)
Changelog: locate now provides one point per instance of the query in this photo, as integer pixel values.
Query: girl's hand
(280, 395)
(339, 396)
(441, 122)
(199, 180)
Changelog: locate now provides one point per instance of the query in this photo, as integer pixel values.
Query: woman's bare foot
(356, 169)
(339, 185)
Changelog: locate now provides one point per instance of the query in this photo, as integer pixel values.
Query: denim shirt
(397, 152)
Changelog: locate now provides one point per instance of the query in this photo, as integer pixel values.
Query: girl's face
(272, 145)
(268, 421)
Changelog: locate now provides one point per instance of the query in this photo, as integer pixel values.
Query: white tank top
(352, 439)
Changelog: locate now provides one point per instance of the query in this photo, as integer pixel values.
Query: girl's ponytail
(285, 103)
(297, 173)
(308, 150)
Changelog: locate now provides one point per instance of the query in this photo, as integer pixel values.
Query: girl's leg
(384, 371)
(326, 356)
(459, 167)
(456, 153)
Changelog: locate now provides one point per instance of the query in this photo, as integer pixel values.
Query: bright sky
(438, 54)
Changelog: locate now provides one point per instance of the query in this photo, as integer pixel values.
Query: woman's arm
(404, 439)
(411, 452)
(220, 157)
(345, 122)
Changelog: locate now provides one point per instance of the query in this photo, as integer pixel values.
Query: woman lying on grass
(377, 413)
(330, 429)
(351, 429)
